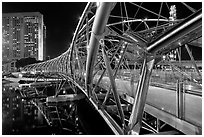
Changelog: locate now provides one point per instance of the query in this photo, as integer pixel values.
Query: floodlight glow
(97, 4)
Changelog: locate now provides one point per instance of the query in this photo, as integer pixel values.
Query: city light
(79, 17)
(97, 4)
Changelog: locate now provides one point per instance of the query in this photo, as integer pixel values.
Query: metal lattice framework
(109, 40)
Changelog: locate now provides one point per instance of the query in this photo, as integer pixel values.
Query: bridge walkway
(162, 103)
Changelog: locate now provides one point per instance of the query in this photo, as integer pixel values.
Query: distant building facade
(23, 36)
(9, 66)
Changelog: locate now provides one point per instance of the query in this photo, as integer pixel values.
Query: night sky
(60, 19)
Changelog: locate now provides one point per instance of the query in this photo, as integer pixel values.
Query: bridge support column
(98, 29)
(135, 120)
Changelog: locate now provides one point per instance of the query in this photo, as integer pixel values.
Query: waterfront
(35, 116)
(20, 117)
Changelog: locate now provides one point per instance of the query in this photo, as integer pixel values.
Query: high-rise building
(23, 35)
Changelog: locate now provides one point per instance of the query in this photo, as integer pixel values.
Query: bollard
(180, 99)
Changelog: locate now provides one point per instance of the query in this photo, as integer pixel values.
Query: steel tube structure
(76, 34)
(146, 52)
(174, 34)
(115, 73)
(98, 29)
(192, 60)
(113, 85)
(140, 97)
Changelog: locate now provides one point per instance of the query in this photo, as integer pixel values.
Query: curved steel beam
(82, 18)
(188, 25)
(98, 29)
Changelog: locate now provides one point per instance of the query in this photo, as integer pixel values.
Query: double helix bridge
(123, 72)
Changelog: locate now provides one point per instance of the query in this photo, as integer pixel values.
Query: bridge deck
(161, 103)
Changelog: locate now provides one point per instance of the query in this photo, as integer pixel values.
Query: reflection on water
(20, 116)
